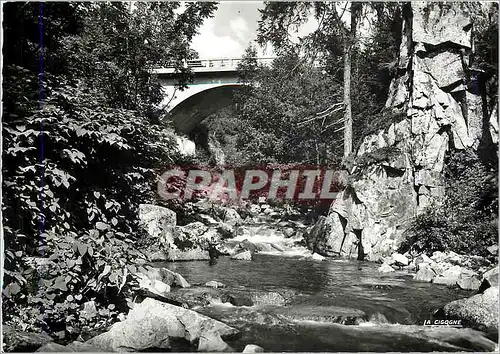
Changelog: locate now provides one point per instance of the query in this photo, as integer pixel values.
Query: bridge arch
(215, 81)
(187, 114)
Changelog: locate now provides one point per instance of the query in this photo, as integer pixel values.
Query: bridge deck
(212, 65)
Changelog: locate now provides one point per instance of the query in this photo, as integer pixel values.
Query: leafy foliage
(467, 221)
(274, 119)
(81, 152)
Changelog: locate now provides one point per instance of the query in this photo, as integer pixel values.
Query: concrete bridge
(215, 81)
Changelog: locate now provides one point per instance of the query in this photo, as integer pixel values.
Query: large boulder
(328, 314)
(422, 259)
(468, 281)
(327, 237)
(449, 277)
(191, 235)
(479, 311)
(424, 274)
(215, 284)
(152, 324)
(440, 267)
(158, 222)
(438, 24)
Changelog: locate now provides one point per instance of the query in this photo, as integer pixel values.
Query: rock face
(397, 172)
(158, 222)
(153, 324)
(479, 311)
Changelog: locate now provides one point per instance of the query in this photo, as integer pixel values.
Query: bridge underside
(193, 110)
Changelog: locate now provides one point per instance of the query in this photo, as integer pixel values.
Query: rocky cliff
(398, 172)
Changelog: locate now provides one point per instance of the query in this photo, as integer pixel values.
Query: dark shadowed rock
(20, 341)
(489, 279)
(237, 299)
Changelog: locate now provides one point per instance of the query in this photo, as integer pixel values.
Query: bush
(467, 220)
(76, 209)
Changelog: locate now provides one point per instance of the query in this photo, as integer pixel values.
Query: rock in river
(212, 342)
(479, 311)
(215, 284)
(252, 348)
(425, 273)
(245, 256)
(153, 324)
(385, 268)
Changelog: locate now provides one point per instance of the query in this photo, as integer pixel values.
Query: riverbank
(266, 284)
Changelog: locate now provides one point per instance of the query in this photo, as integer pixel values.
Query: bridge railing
(218, 64)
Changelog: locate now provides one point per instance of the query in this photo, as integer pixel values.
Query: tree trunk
(350, 41)
(347, 101)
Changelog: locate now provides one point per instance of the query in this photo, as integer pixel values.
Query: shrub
(76, 208)
(467, 220)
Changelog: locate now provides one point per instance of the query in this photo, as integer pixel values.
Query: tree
(278, 19)
(125, 46)
(275, 116)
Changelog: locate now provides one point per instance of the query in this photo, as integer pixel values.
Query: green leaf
(82, 248)
(101, 226)
(13, 289)
(60, 283)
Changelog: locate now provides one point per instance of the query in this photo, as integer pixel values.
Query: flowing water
(394, 305)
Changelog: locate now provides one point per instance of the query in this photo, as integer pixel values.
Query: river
(396, 304)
